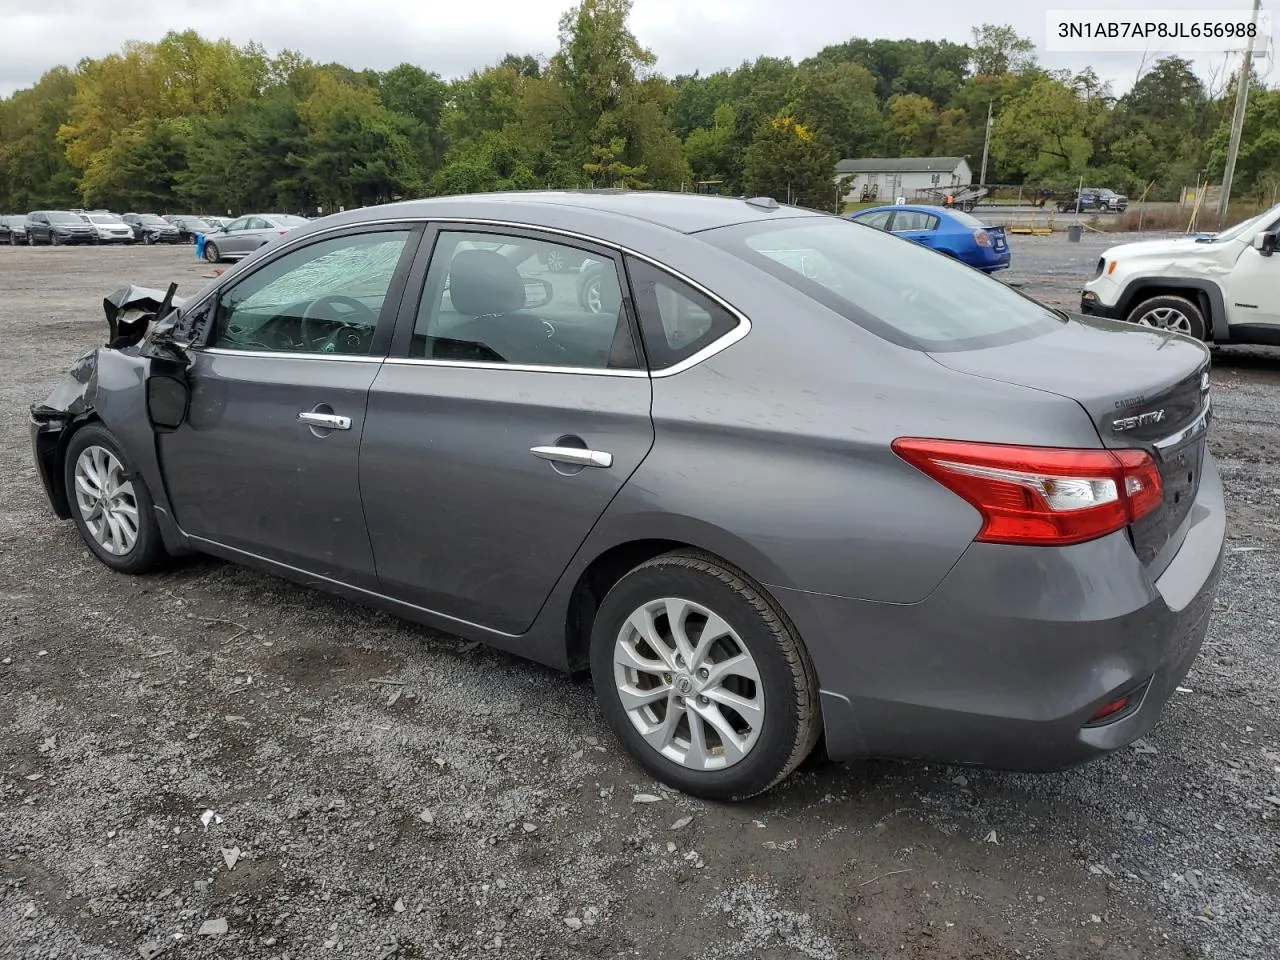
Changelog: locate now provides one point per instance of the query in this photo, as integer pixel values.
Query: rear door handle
(325, 421)
(574, 455)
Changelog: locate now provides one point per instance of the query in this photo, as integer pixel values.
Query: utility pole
(986, 145)
(1237, 121)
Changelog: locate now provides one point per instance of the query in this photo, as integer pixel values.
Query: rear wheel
(703, 679)
(110, 503)
(1177, 314)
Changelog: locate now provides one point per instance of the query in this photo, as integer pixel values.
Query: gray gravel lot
(215, 749)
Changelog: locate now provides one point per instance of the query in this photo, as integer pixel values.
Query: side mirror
(168, 395)
(1266, 243)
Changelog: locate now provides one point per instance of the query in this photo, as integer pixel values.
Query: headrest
(485, 283)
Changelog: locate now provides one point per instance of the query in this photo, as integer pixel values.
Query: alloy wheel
(592, 297)
(688, 684)
(1166, 318)
(106, 500)
(555, 261)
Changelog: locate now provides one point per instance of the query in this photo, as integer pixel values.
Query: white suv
(1223, 287)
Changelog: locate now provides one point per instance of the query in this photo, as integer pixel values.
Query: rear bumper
(1005, 664)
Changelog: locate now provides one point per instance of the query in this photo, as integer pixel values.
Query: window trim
(714, 302)
(616, 252)
(427, 229)
(416, 289)
(378, 348)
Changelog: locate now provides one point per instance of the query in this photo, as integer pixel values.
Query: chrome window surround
(729, 339)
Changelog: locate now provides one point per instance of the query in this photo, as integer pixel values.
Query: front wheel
(211, 252)
(703, 679)
(110, 503)
(1176, 314)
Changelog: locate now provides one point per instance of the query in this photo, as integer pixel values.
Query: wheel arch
(610, 564)
(1206, 294)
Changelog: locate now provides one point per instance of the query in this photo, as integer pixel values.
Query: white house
(886, 178)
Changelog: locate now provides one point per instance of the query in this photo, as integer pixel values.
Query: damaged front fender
(112, 384)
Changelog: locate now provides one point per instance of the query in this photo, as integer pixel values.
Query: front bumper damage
(131, 314)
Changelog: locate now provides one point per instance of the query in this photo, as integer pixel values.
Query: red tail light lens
(982, 238)
(1041, 495)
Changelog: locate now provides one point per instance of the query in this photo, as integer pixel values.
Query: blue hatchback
(952, 232)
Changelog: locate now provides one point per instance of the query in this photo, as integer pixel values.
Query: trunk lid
(1141, 388)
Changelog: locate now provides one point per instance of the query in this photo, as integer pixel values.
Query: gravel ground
(216, 763)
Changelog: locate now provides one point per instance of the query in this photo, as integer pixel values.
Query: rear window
(897, 289)
(962, 218)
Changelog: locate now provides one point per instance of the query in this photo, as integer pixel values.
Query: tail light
(1041, 495)
(982, 238)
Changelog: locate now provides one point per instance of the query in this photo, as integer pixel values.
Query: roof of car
(682, 212)
(913, 207)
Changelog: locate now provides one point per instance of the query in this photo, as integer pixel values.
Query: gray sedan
(244, 235)
(783, 477)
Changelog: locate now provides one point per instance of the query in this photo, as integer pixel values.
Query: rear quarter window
(891, 286)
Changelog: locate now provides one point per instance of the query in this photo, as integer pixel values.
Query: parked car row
(59, 227)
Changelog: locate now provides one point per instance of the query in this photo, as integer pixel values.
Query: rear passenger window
(498, 298)
(676, 320)
(914, 220)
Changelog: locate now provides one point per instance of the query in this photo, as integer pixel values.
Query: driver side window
(324, 298)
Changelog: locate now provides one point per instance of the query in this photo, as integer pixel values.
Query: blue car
(952, 232)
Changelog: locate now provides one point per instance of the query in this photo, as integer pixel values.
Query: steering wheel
(323, 310)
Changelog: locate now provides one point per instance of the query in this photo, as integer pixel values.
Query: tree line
(193, 124)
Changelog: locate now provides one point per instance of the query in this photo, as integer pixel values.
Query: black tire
(792, 715)
(1145, 313)
(211, 252)
(54, 241)
(147, 552)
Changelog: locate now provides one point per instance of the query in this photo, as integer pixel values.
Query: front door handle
(574, 455)
(325, 421)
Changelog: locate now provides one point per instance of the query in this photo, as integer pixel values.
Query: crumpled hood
(129, 312)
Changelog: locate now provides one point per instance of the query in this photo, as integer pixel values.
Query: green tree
(786, 159)
(34, 170)
(710, 150)
(1041, 133)
(910, 124)
(840, 100)
(1000, 49)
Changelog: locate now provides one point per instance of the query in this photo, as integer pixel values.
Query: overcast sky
(451, 37)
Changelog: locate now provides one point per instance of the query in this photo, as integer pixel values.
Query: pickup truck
(1221, 288)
